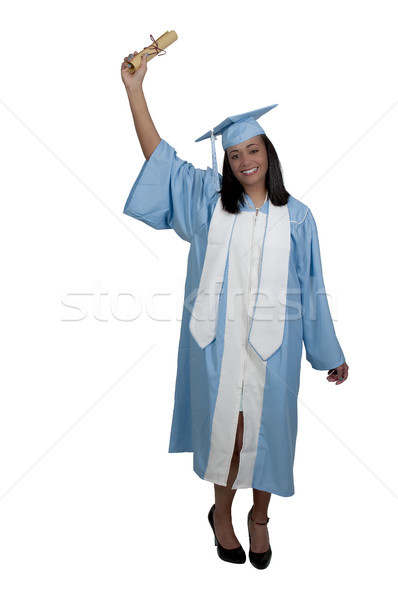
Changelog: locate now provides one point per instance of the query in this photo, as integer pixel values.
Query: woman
(254, 292)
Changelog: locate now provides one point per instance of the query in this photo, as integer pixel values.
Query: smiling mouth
(250, 172)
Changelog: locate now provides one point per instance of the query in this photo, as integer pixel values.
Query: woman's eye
(237, 155)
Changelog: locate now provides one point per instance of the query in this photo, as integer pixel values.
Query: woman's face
(249, 161)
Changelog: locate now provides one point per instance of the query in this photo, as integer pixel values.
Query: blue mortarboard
(235, 130)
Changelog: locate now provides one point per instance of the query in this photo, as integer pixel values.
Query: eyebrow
(248, 146)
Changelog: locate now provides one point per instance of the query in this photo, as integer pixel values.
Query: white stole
(268, 322)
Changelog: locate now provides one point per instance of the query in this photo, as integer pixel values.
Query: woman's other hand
(133, 80)
(339, 374)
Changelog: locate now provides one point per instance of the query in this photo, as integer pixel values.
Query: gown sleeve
(323, 350)
(170, 193)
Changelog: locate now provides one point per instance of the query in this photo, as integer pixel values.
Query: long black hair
(232, 192)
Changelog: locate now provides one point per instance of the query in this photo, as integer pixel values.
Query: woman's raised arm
(146, 130)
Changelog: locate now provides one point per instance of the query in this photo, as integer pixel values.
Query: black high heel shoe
(260, 560)
(236, 555)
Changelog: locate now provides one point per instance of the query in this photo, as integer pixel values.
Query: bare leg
(224, 496)
(259, 533)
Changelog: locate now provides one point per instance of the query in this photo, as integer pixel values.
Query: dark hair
(232, 191)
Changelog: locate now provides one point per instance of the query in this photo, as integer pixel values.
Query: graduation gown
(254, 293)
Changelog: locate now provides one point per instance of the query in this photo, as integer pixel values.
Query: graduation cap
(234, 130)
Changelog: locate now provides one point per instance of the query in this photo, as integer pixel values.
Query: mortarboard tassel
(214, 160)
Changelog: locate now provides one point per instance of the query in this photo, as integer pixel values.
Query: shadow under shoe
(236, 555)
(260, 560)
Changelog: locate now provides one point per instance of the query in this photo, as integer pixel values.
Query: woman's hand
(339, 374)
(133, 80)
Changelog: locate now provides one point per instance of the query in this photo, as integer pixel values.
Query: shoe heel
(215, 541)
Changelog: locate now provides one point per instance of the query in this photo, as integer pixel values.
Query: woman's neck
(257, 196)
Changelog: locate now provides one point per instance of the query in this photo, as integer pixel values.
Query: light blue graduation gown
(254, 293)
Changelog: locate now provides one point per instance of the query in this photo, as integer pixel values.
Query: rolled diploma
(163, 42)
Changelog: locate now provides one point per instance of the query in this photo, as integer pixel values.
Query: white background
(92, 505)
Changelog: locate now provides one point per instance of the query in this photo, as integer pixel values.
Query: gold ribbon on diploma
(156, 48)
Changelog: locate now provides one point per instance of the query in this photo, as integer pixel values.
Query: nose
(246, 162)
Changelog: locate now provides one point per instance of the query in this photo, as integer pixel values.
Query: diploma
(153, 50)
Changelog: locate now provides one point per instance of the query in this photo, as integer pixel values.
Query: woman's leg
(259, 533)
(224, 496)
